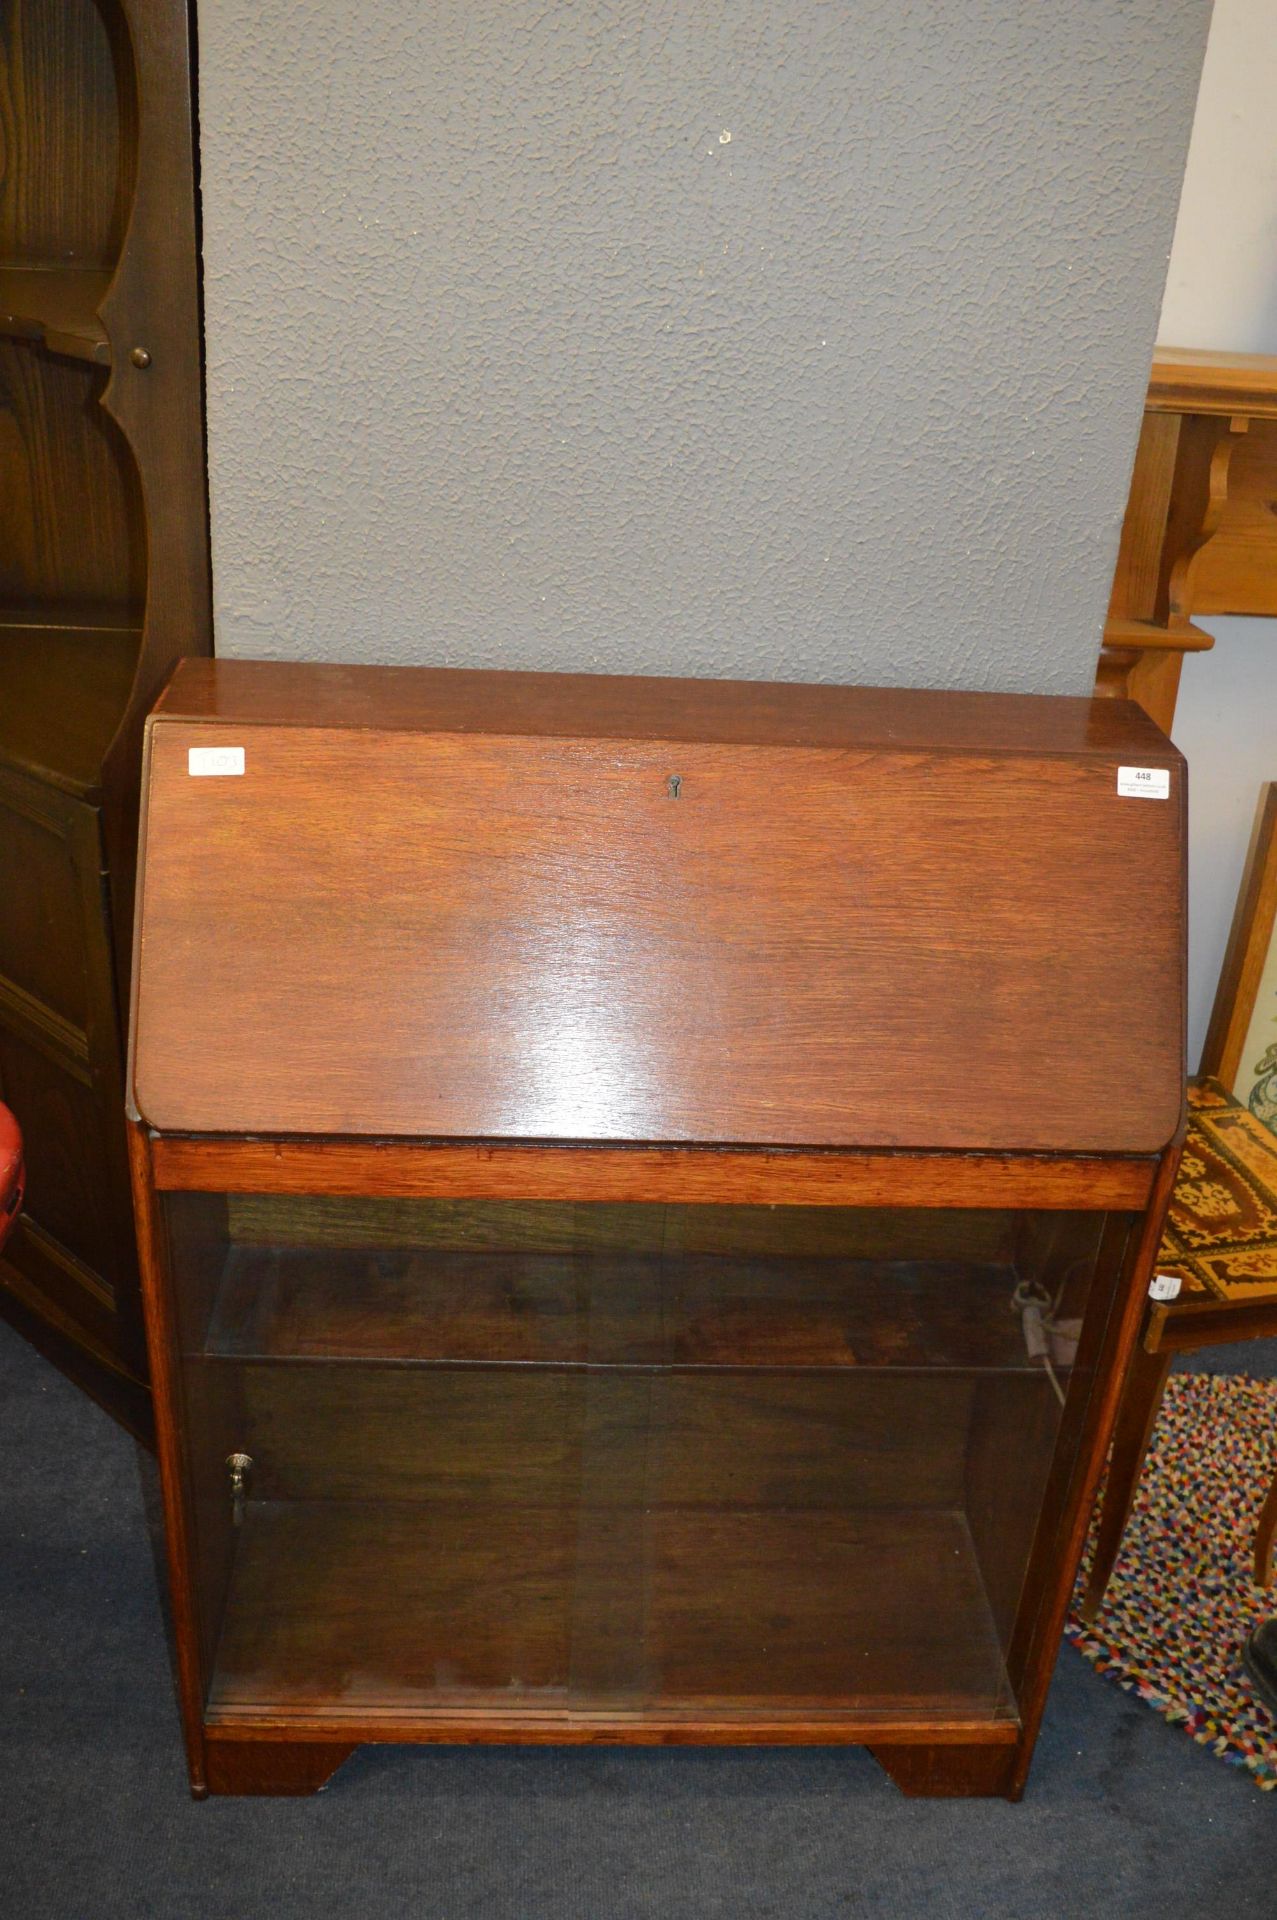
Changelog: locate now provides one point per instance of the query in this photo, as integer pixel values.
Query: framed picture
(1241, 1042)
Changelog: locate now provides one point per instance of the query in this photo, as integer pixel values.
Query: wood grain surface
(57, 307)
(63, 685)
(697, 937)
(67, 178)
(1236, 571)
(597, 706)
(788, 1176)
(1200, 380)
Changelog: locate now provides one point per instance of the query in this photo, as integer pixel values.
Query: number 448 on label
(1144, 783)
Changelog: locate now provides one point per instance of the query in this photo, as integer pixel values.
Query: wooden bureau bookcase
(604, 1152)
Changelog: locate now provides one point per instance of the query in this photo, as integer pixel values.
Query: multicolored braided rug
(1182, 1599)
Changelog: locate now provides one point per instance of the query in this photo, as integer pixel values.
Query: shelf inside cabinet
(57, 307)
(65, 677)
(611, 1308)
(499, 1610)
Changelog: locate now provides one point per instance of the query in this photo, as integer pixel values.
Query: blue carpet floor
(1123, 1815)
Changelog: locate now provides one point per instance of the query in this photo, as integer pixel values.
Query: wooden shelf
(1143, 635)
(1198, 535)
(65, 678)
(516, 1612)
(612, 1309)
(58, 308)
(1189, 380)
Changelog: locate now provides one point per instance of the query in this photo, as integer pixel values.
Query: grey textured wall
(773, 338)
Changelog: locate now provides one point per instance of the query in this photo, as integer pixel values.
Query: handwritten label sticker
(1164, 1286)
(1144, 783)
(210, 760)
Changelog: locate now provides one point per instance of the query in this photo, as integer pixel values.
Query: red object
(11, 1172)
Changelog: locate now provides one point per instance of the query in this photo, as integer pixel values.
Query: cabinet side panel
(1066, 1510)
(196, 1241)
(170, 1419)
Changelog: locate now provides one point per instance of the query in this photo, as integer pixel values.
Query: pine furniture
(1199, 535)
(103, 583)
(646, 1192)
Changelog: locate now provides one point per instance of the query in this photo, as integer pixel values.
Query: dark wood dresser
(103, 584)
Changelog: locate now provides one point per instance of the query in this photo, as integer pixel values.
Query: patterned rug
(1182, 1600)
(1221, 1230)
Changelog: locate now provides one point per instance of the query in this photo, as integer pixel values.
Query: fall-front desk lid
(407, 902)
